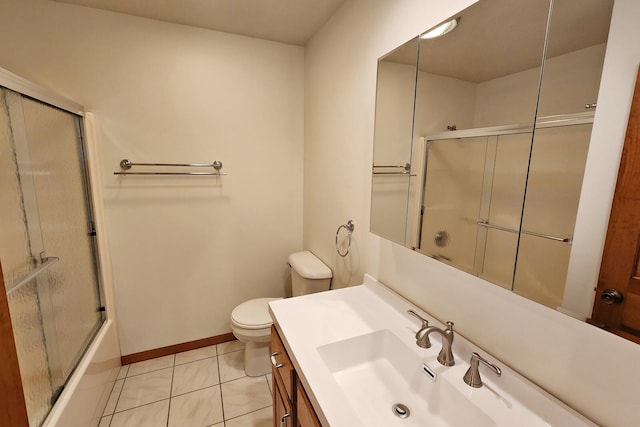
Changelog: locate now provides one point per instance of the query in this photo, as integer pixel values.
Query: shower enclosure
(47, 242)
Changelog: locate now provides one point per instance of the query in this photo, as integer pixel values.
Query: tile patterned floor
(197, 388)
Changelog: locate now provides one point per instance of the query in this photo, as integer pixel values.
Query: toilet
(251, 323)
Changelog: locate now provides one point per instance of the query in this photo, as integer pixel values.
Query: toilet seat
(253, 314)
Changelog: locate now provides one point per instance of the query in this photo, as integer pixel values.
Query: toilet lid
(253, 314)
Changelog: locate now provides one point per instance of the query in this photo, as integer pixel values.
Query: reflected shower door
(46, 245)
(452, 199)
(474, 192)
(555, 180)
(506, 181)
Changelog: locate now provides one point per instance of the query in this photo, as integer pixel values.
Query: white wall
(185, 250)
(563, 355)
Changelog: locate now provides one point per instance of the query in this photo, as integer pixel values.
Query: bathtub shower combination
(47, 243)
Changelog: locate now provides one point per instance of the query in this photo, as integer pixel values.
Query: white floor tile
(152, 415)
(123, 371)
(113, 398)
(270, 382)
(231, 366)
(195, 375)
(197, 354)
(228, 347)
(196, 409)
(146, 388)
(245, 395)
(150, 365)
(157, 393)
(105, 421)
(261, 418)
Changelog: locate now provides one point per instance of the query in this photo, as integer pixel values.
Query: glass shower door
(46, 245)
(453, 195)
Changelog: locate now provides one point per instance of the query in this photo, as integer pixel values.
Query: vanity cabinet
(306, 416)
(291, 405)
(282, 413)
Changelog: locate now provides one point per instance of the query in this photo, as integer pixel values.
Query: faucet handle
(425, 322)
(472, 376)
(445, 357)
(421, 339)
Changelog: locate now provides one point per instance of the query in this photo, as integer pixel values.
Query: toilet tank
(308, 274)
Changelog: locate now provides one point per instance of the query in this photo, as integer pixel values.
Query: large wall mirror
(481, 138)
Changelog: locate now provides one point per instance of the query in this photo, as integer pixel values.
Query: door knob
(611, 296)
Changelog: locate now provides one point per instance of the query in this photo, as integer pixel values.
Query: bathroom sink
(377, 371)
(356, 356)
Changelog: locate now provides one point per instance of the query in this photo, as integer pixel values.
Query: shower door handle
(46, 262)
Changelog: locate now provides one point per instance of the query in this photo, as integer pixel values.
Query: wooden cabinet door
(305, 415)
(617, 300)
(283, 366)
(282, 413)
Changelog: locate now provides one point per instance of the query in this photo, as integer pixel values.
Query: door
(47, 246)
(617, 300)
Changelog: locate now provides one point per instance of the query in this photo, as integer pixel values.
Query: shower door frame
(13, 410)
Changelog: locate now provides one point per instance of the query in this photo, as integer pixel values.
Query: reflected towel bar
(568, 240)
(393, 173)
(125, 165)
(46, 263)
(406, 167)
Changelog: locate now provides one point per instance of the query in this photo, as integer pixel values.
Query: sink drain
(400, 410)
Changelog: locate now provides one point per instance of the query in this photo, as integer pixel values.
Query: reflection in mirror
(500, 138)
(480, 82)
(575, 55)
(486, 71)
(395, 94)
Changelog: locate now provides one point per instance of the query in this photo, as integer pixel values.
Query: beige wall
(185, 250)
(563, 355)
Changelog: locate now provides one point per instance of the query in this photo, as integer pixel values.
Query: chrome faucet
(472, 377)
(445, 357)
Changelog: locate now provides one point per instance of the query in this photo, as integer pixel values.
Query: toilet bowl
(251, 322)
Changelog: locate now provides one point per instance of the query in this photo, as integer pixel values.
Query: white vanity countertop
(311, 321)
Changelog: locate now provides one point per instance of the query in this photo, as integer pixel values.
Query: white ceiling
(286, 21)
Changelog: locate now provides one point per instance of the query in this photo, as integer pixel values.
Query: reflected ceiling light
(441, 29)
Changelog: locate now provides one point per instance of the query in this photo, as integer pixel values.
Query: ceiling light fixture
(441, 29)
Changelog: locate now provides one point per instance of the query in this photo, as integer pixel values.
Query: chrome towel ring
(349, 226)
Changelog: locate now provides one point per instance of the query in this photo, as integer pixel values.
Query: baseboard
(176, 348)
